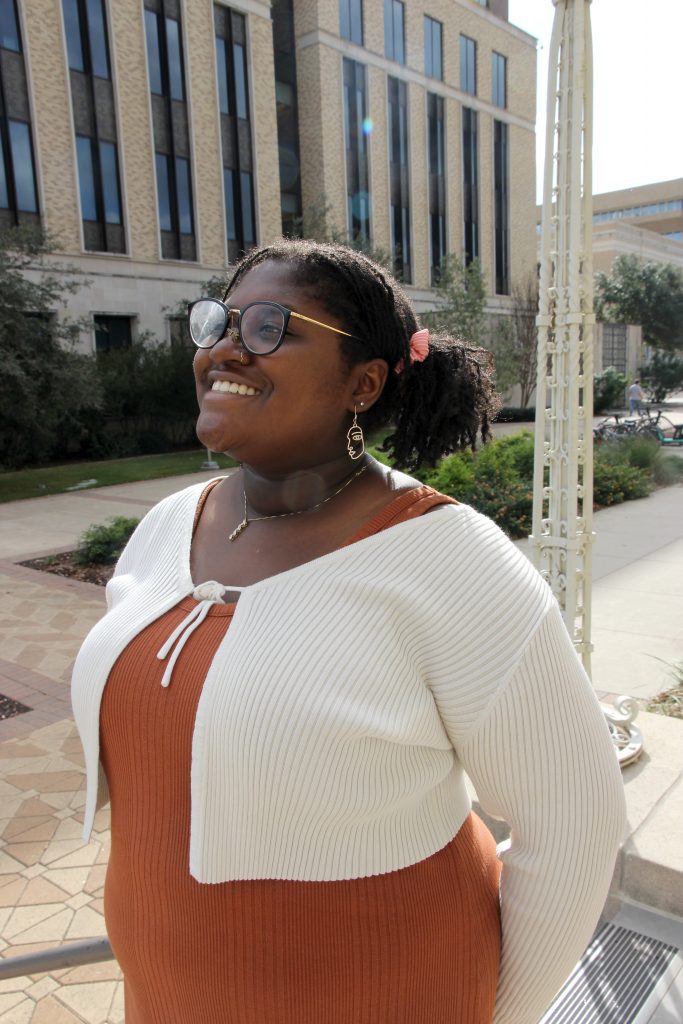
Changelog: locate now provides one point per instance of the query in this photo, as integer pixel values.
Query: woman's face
(299, 414)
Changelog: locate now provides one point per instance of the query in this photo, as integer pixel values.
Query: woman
(302, 659)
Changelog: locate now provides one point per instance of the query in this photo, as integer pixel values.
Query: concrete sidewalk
(51, 885)
(637, 568)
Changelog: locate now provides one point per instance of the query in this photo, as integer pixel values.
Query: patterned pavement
(51, 884)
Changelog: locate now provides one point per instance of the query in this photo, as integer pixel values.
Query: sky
(637, 89)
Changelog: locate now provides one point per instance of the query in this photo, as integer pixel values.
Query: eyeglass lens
(261, 325)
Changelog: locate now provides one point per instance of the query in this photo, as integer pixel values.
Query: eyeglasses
(261, 325)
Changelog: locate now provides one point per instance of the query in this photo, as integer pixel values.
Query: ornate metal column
(563, 467)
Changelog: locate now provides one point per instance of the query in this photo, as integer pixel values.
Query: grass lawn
(33, 483)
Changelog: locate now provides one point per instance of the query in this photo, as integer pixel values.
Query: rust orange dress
(419, 945)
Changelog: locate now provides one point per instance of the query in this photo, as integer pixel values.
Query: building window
(18, 193)
(614, 344)
(501, 192)
(499, 79)
(9, 27)
(357, 177)
(433, 48)
(98, 178)
(92, 100)
(233, 96)
(394, 34)
(468, 65)
(470, 160)
(166, 69)
(85, 25)
(399, 180)
(17, 173)
(437, 183)
(113, 332)
(351, 20)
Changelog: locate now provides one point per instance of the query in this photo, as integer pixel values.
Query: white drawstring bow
(207, 594)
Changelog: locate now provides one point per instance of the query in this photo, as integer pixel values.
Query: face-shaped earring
(354, 437)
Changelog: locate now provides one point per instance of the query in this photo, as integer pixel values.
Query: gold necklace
(280, 515)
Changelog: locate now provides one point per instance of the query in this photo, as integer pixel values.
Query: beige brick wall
(321, 131)
(264, 129)
(379, 159)
(207, 165)
(419, 185)
(53, 132)
(136, 151)
(522, 196)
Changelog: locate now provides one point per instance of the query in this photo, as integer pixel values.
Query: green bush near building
(498, 479)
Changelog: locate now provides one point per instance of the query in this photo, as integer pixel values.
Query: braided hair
(436, 406)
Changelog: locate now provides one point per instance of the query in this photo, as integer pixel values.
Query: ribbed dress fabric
(337, 750)
(419, 945)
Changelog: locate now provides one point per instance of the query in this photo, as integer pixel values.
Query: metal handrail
(70, 954)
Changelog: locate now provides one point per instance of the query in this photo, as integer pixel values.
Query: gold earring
(354, 437)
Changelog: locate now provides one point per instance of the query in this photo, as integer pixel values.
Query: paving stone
(49, 1011)
(91, 1001)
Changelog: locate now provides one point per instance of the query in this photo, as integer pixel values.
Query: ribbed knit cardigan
(346, 702)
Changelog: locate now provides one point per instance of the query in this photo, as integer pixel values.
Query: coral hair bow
(419, 348)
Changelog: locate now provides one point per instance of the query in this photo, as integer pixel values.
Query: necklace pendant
(238, 529)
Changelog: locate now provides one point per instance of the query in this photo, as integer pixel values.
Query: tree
(462, 289)
(650, 294)
(662, 376)
(45, 386)
(514, 340)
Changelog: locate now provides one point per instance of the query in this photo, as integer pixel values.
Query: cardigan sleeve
(541, 758)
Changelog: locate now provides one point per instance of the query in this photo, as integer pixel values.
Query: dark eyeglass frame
(229, 312)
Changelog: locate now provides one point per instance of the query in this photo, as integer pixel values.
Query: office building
(156, 140)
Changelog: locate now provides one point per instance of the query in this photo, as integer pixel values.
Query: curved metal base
(627, 739)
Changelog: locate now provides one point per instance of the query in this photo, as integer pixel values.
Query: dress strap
(202, 501)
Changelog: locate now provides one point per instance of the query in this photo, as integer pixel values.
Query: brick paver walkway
(51, 884)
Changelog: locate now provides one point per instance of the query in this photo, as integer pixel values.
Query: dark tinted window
(163, 193)
(109, 169)
(153, 53)
(351, 20)
(230, 216)
(72, 27)
(222, 66)
(182, 171)
(394, 46)
(498, 79)
(175, 59)
(468, 65)
(86, 178)
(433, 48)
(247, 208)
(112, 332)
(240, 81)
(97, 31)
(9, 27)
(22, 165)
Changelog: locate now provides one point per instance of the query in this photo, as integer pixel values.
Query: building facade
(156, 140)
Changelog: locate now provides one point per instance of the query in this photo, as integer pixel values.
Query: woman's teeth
(233, 388)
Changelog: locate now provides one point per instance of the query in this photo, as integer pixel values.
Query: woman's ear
(368, 380)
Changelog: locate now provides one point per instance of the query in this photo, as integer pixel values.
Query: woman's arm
(541, 758)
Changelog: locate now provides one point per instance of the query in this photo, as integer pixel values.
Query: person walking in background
(635, 397)
(299, 663)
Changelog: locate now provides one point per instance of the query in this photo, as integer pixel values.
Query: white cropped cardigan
(346, 702)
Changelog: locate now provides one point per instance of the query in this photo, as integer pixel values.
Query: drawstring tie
(207, 594)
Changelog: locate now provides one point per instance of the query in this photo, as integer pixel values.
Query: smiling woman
(299, 663)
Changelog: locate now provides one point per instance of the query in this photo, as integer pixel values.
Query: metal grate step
(620, 977)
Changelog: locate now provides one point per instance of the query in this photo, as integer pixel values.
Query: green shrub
(102, 545)
(608, 389)
(616, 480)
(515, 414)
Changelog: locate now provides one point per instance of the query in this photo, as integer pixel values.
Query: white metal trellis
(563, 466)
